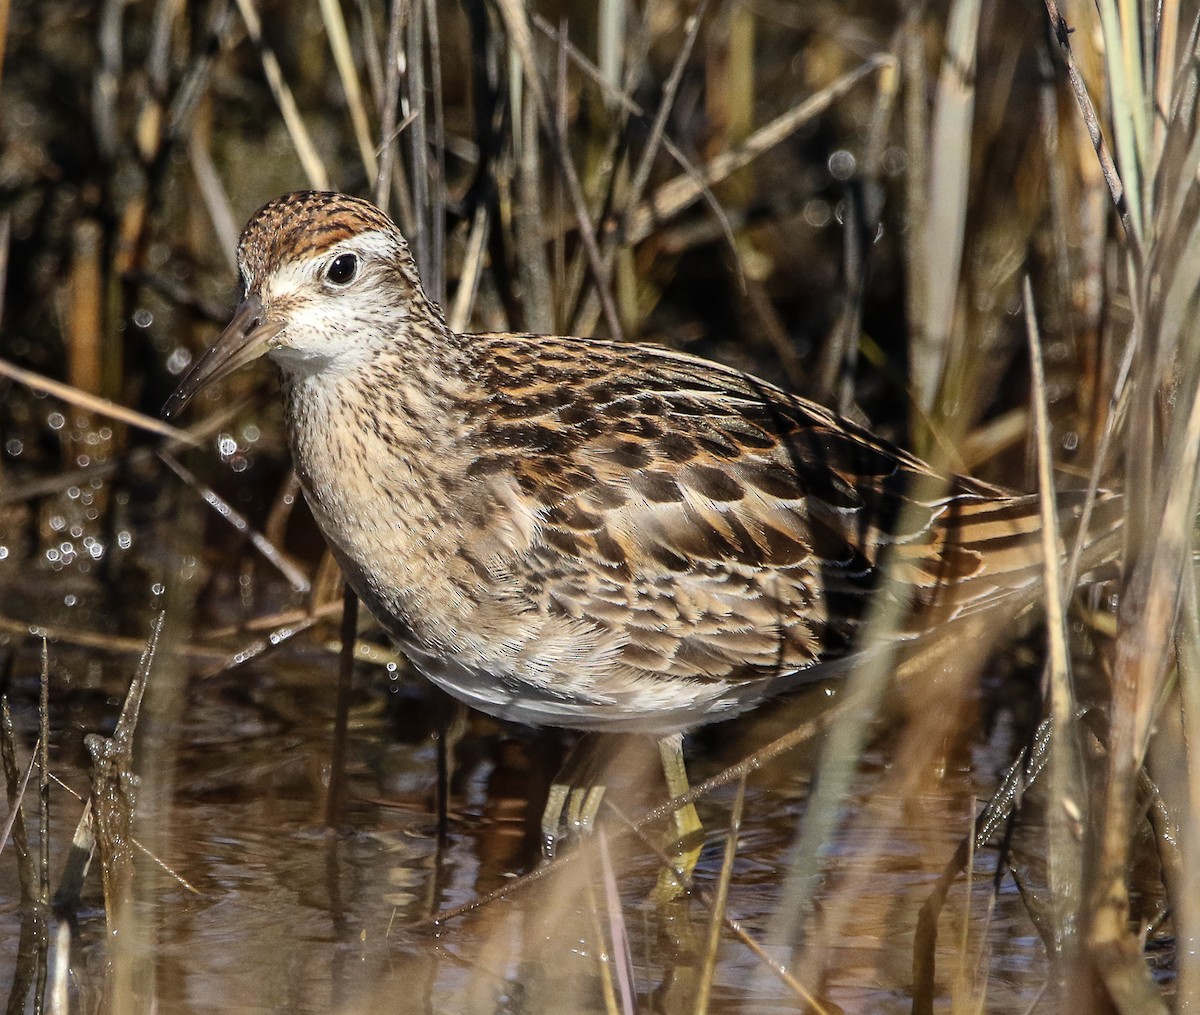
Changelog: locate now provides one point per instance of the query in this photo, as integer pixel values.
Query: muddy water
(276, 915)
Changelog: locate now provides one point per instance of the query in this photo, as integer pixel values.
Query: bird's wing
(725, 529)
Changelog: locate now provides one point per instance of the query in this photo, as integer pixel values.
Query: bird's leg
(570, 810)
(554, 817)
(575, 794)
(688, 839)
(578, 790)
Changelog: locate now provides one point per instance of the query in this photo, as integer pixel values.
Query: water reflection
(276, 915)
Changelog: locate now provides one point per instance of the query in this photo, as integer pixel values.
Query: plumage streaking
(579, 533)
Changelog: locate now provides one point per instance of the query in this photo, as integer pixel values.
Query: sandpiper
(579, 533)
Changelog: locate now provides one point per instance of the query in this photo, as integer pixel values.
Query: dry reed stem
(1113, 420)
(720, 904)
(941, 680)
(586, 320)
(92, 403)
(1162, 523)
(386, 150)
(79, 861)
(32, 922)
(1146, 619)
(261, 646)
(1164, 60)
(287, 497)
(517, 23)
(341, 714)
(916, 142)
(966, 985)
(630, 194)
(417, 137)
(16, 790)
(527, 218)
(838, 363)
(16, 793)
(343, 58)
(314, 168)
(1068, 812)
(114, 789)
(680, 193)
(620, 954)
(273, 554)
(994, 437)
(944, 227)
(434, 159)
(212, 192)
(472, 270)
(85, 318)
(1128, 113)
(786, 976)
(43, 756)
(657, 133)
(729, 92)
(60, 998)
(87, 639)
(114, 802)
(1021, 774)
(604, 972)
(865, 685)
(1186, 900)
(281, 619)
(1116, 189)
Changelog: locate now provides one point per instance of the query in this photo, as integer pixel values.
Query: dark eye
(342, 269)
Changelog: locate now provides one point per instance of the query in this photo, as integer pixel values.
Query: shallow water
(278, 916)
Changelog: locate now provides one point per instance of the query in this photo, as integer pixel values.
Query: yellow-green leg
(578, 790)
(684, 846)
(554, 817)
(570, 810)
(575, 795)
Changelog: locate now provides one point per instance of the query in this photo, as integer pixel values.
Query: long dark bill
(244, 340)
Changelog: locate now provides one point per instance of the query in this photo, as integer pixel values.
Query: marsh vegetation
(973, 226)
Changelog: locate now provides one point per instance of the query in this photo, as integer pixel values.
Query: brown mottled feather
(581, 533)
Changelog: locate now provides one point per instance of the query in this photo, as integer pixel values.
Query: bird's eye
(342, 269)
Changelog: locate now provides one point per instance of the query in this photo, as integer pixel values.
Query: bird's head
(327, 284)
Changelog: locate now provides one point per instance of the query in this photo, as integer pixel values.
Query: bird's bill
(244, 340)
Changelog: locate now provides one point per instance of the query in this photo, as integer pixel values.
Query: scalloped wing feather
(720, 529)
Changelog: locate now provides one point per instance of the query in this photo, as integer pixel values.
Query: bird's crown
(303, 225)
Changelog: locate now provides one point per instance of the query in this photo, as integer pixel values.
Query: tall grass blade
(339, 42)
(944, 229)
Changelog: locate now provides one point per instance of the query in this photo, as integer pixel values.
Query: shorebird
(587, 534)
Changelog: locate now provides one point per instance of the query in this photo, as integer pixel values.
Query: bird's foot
(570, 813)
